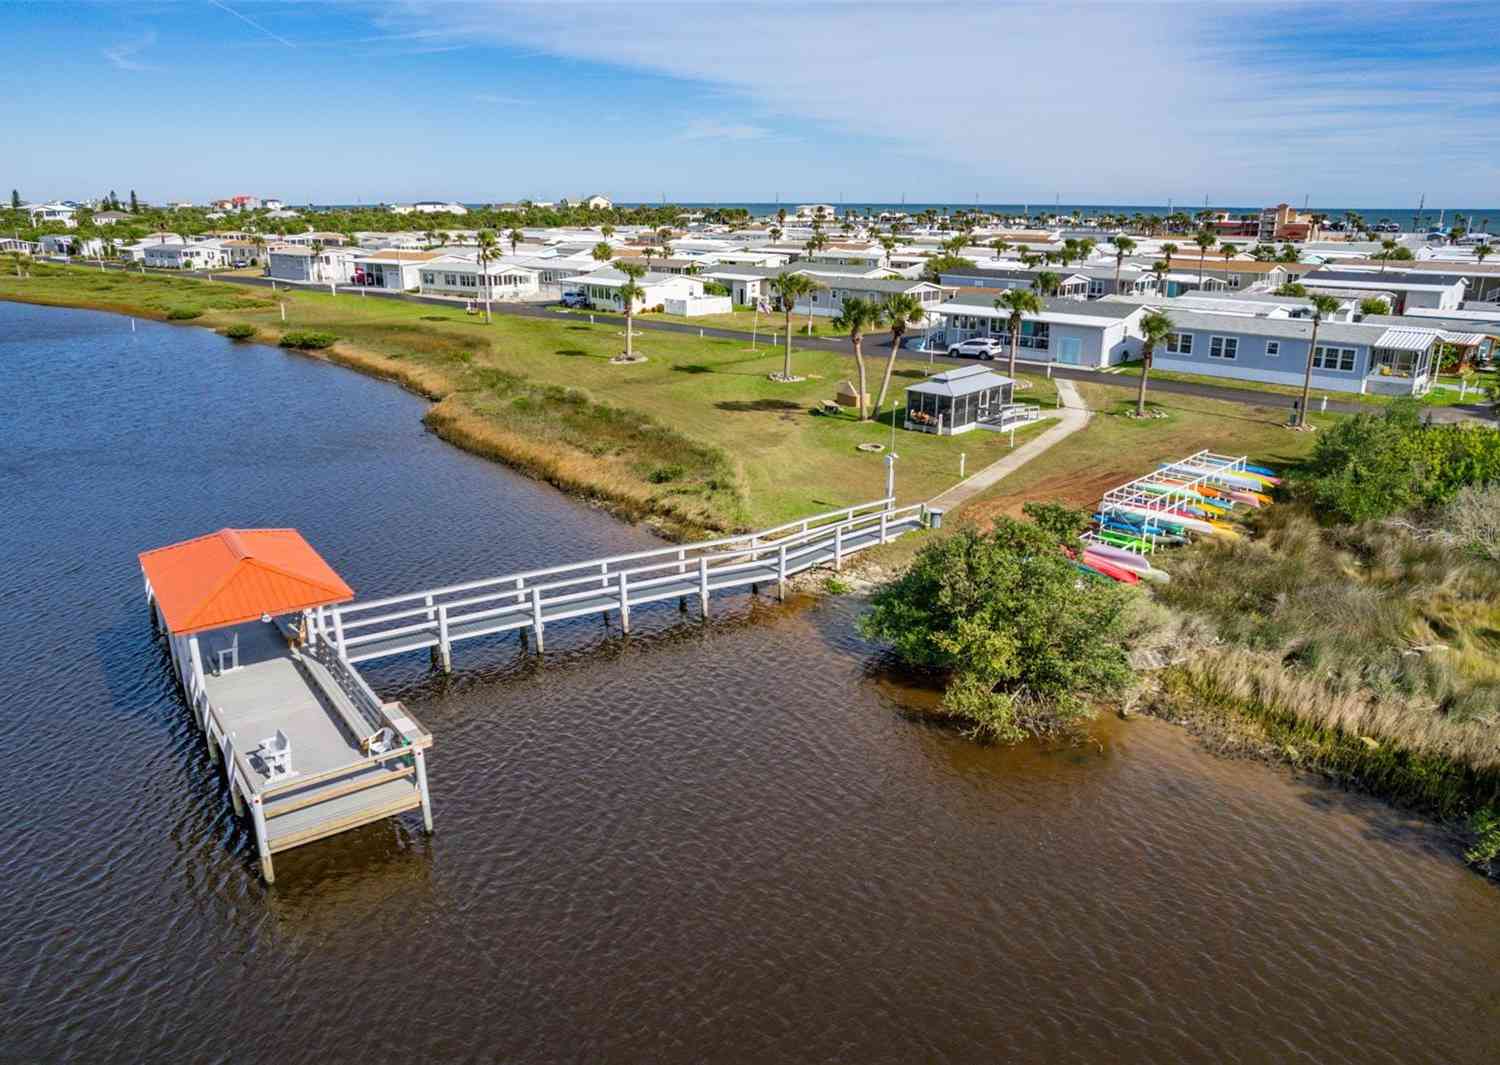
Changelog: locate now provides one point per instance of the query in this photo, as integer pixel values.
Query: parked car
(575, 299)
(977, 348)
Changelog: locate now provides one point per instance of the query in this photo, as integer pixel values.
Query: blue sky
(1243, 102)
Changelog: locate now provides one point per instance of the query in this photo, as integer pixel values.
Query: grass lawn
(1437, 397)
(742, 319)
(695, 438)
(1113, 449)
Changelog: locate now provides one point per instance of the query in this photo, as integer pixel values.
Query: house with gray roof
(828, 299)
(1368, 358)
(1092, 333)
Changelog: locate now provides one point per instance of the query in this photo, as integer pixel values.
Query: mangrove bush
(1022, 635)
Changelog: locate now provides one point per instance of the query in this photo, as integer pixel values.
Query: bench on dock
(368, 736)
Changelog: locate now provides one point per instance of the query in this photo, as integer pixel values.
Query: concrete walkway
(1072, 417)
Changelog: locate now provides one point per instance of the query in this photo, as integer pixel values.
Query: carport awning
(1407, 339)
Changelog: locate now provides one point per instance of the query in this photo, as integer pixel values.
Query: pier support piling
(262, 844)
(419, 757)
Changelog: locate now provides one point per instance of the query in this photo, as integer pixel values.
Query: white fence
(439, 617)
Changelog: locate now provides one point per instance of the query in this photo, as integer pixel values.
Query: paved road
(882, 341)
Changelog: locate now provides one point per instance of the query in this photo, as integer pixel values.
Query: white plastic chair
(276, 753)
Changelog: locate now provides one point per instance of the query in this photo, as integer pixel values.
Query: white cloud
(716, 129)
(1096, 102)
(123, 55)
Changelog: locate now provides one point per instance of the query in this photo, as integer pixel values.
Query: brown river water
(712, 842)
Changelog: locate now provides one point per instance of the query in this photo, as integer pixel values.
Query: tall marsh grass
(1380, 609)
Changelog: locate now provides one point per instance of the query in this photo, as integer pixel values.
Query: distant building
(244, 203)
(429, 207)
(596, 203)
(109, 218)
(272, 204)
(44, 213)
(1284, 223)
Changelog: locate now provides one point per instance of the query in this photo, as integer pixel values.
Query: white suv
(977, 348)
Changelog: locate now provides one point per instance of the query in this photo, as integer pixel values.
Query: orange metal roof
(237, 575)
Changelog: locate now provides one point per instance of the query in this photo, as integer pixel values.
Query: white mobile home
(1095, 333)
(200, 256)
(828, 301)
(463, 278)
(397, 271)
(602, 289)
(1350, 356)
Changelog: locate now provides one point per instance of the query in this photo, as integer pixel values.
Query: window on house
(1273, 348)
(1332, 358)
(427, 279)
(1224, 348)
(450, 279)
(1180, 343)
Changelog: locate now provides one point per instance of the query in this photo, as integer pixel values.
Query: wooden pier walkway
(529, 601)
(264, 637)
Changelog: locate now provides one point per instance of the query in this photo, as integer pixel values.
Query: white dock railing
(439, 617)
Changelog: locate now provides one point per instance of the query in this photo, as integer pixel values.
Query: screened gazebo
(956, 401)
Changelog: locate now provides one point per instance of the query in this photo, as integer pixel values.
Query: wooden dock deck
(353, 759)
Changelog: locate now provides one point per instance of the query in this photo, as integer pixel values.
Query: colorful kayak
(1119, 573)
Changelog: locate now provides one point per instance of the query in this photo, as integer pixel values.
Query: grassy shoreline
(695, 440)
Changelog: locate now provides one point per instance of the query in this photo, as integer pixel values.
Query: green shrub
(665, 474)
(1005, 615)
(183, 314)
(1375, 465)
(240, 331)
(307, 341)
(1485, 824)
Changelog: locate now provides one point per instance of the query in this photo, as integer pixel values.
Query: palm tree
(1154, 329)
(260, 249)
(1001, 246)
(1482, 252)
(602, 252)
(1161, 268)
(606, 230)
(1387, 247)
(1017, 303)
(775, 232)
(1169, 252)
(1229, 251)
(889, 244)
(902, 310)
(630, 292)
(430, 237)
(1205, 240)
(489, 249)
(1321, 307)
(1047, 283)
(1123, 247)
(789, 288)
(857, 317)
(515, 236)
